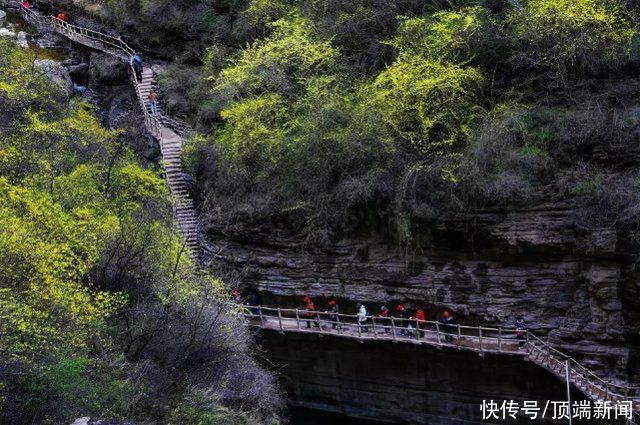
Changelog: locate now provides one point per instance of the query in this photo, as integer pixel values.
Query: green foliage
(278, 63)
(458, 36)
(199, 408)
(254, 130)
(71, 386)
(432, 105)
(64, 194)
(573, 36)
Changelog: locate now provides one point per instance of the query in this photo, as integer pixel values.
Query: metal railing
(480, 339)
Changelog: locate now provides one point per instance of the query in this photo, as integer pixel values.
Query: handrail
(54, 22)
(114, 46)
(91, 36)
(389, 325)
(483, 339)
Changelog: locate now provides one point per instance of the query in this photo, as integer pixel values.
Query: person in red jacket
(310, 313)
(386, 322)
(422, 321)
(333, 313)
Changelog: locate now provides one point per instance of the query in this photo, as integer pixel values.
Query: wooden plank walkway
(170, 142)
(480, 339)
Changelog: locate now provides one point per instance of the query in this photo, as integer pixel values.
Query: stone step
(188, 220)
(177, 147)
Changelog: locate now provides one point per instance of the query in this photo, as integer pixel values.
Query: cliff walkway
(170, 142)
(480, 339)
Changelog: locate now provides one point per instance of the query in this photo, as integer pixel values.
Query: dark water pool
(303, 416)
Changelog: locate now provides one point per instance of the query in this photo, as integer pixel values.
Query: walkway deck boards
(481, 340)
(170, 142)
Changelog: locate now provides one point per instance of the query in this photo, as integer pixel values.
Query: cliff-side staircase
(170, 142)
(478, 339)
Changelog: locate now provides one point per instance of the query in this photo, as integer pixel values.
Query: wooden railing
(97, 40)
(480, 339)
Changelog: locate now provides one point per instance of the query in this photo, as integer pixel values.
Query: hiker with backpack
(138, 66)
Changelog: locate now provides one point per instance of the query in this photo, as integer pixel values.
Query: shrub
(430, 104)
(253, 131)
(459, 36)
(278, 63)
(507, 160)
(572, 36)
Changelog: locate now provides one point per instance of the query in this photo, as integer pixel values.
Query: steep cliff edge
(577, 287)
(404, 383)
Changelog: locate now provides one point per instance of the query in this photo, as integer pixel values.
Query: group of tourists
(408, 321)
(411, 319)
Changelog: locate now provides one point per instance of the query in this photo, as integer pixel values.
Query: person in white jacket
(362, 318)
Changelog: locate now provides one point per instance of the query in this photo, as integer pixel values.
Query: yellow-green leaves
(431, 104)
(253, 128)
(277, 63)
(46, 255)
(429, 94)
(445, 35)
(567, 36)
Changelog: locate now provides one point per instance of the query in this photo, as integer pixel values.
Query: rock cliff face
(575, 287)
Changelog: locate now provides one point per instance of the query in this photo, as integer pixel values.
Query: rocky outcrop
(55, 72)
(575, 287)
(107, 70)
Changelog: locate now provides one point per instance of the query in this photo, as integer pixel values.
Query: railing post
(480, 340)
(319, 323)
(280, 320)
(548, 350)
(373, 327)
(417, 329)
(298, 319)
(339, 325)
(499, 340)
(359, 327)
(393, 328)
(261, 316)
(438, 333)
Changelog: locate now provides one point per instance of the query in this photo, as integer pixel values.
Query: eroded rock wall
(574, 287)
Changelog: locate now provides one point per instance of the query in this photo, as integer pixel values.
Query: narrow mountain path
(170, 142)
(479, 339)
